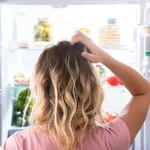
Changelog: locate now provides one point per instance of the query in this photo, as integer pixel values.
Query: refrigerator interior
(142, 139)
(18, 22)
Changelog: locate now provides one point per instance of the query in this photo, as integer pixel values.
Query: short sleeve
(12, 143)
(117, 135)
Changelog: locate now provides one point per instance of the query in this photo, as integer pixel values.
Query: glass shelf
(21, 84)
(41, 49)
(27, 85)
(13, 127)
(25, 49)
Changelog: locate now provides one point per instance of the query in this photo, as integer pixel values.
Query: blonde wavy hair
(68, 94)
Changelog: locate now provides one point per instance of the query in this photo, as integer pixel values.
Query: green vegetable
(23, 107)
(19, 75)
(22, 98)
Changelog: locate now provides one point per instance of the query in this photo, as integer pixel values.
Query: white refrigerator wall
(6, 97)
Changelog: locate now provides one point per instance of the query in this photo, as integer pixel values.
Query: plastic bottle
(146, 66)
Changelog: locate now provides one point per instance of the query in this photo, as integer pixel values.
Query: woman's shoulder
(20, 139)
(114, 133)
(14, 141)
(22, 134)
(29, 132)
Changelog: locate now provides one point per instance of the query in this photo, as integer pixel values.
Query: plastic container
(146, 66)
(110, 34)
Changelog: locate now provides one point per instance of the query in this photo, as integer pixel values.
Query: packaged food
(21, 78)
(84, 30)
(43, 30)
(110, 34)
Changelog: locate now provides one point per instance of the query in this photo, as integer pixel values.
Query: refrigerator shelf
(21, 84)
(106, 87)
(117, 87)
(17, 128)
(40, 49)
(14, 129)
(25, 49)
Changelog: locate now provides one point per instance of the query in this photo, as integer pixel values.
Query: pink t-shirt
(115, 136)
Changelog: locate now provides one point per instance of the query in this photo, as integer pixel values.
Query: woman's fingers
(90, 57)
(76, 39)
(87, 56)
(86, 41)
(93, 53)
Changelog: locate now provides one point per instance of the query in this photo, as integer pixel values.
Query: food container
(23, 44)
(109, 34)
(43, 30)
(83, 30)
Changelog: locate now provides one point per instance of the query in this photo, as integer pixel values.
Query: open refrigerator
(26, 27)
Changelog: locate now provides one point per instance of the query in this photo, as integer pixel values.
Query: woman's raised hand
(94, 54)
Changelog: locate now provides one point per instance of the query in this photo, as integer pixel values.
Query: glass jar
(43, 30)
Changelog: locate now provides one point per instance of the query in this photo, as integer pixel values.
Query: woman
(69, 97)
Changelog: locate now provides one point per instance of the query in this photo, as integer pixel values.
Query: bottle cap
(147, 53)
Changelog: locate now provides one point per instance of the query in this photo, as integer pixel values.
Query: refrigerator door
(142, 139)
(1, 115)
(0, 120)
(1, 90)
(146, 128)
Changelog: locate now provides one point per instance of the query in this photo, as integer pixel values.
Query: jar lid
(112, 21)
(147, 53)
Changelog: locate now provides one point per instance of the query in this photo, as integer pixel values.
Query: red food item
(114, 116)
(113, 81)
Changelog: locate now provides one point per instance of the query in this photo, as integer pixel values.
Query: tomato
(113, 81)
(112, 117)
